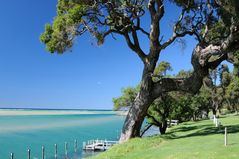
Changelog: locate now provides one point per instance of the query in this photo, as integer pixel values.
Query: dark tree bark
(163, 127)
(214, 108)
(139, 108)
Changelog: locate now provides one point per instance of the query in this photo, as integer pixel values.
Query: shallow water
(18, 133)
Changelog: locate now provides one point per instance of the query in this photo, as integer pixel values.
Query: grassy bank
(199, 140)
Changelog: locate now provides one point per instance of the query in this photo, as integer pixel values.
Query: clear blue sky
(86, 78)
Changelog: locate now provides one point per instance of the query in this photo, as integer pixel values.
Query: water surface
(18, 133)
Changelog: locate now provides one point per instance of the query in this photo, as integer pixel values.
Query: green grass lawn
(190, 140)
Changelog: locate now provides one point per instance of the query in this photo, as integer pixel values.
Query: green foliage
(162, 68)
(177, 105)
(127, 98)
(225, 76)
(230, 9)
(75, 17)
(68, 24)
(219, 28)
(190, 4)
(160, 110)
(217, 32)
(217, 91)
(235, 59)
(184, 74)
(232, 93)
(59, 36)
(236, 70)
(182, 111)
(199, 105)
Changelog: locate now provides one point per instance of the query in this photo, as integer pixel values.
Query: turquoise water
(18, 133)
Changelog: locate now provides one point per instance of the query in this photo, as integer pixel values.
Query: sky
(87, 77)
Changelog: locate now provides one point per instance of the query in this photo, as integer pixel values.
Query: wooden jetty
(98, 145)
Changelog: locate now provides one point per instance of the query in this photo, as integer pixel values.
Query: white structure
(98, 145)
(172, 122)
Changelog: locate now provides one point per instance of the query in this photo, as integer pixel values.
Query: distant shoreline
(22, 112)
(4, 108)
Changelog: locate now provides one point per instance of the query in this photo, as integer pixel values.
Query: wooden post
(43, 152)
(75, 146)
(225, 137)
(66, 148)
(214, 119)
(216, 122)
(29, 153)
(55, 151)
(12, 155)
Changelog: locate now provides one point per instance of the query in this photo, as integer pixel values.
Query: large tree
(213, 23)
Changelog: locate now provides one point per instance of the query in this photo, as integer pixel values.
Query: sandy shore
(7, 112)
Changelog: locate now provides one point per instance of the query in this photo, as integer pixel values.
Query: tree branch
(156, 15)
(135, 46)
(175, 35)
(201, 66)
(155, 122)
(145, 129)
(141, 29)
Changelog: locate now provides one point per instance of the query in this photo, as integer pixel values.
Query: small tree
(127, 98)
(160, 112)
(161, 70)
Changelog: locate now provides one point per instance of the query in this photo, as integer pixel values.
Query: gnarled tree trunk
(135, 118)
(144, 99)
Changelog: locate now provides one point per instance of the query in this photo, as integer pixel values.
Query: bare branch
(110, 31)
(138, 27)
(145, 129)
(156, 15)
(135, 46)
(143, 31)
(175, 35)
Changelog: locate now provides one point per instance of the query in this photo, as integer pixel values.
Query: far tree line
(218, 94)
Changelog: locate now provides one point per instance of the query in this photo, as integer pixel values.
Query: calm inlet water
(18, 133)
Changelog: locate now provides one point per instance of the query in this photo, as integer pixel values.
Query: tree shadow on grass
(182, 129)
(202, 130)
(187, 127)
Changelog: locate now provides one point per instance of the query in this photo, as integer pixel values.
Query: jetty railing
(98, 145)
(55, 151)
(105, 144)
